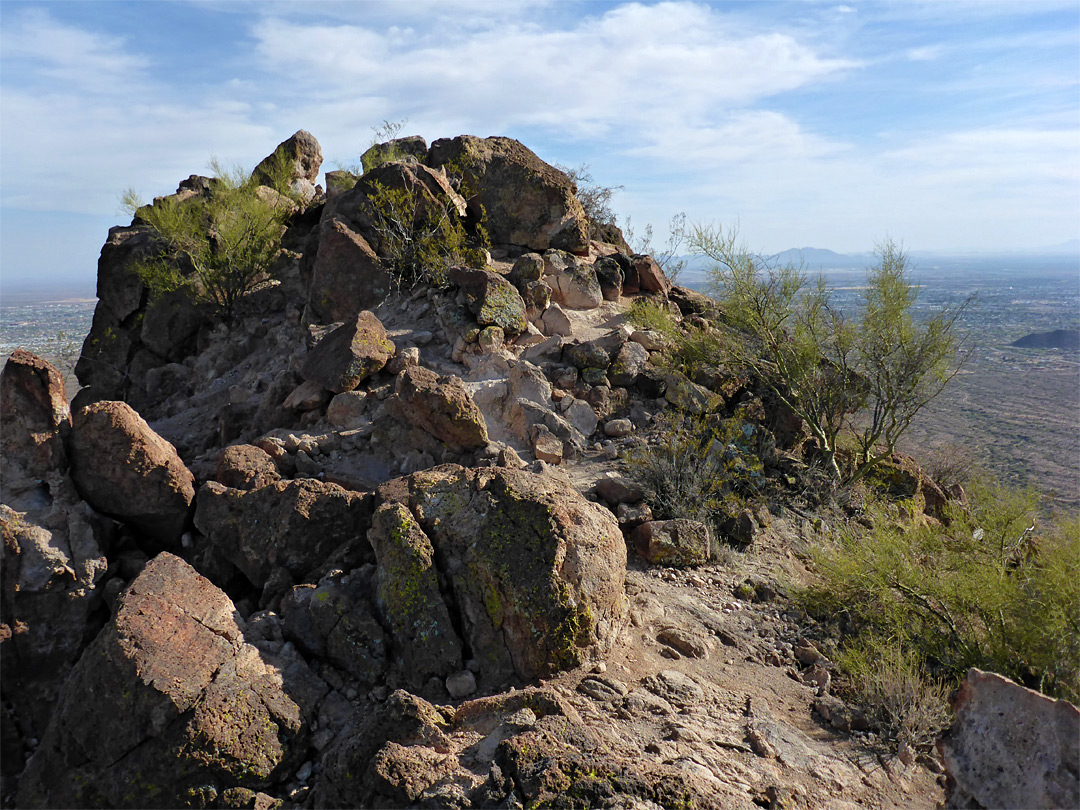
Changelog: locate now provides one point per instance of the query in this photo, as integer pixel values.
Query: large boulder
(526, 201)
(346, 275)
(166, 705)
(53, 559)
(650, 277)
(1010, 747)
(440, 406)
(536, 570)
(492, 299)
(124, 469)
(408, 597)
(349, 355)
(302, 156)
(34, 412)
(291, 525)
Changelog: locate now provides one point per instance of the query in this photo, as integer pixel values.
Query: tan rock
(1010, 746)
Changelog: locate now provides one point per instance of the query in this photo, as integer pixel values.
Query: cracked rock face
(201, 709)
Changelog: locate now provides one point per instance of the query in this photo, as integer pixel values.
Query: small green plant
(697, 468)
(420, 237)
(996, 588)
(668, 259)
(888, 681)
(648, 313)
(217, 246)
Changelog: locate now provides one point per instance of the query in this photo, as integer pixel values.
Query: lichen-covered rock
(610, 277)
(631, 360)
(586, 355)
(302, 156)
(36, 422)
(168, 700)
(492, 299)
(1010, 747)
(679, 543)
(535, 568)
(349, 355)
(688, 396)
(295, 525)
(245, 466)
(124, 469)
(440, 406)
(425, 643)
(526, 201)
(528, 267)
(576, 287)
(412, 147)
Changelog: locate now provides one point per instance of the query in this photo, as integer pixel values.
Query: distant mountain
(1058, 339)
(812, 258)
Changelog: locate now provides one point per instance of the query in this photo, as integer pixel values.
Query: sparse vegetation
(699, 468)
(594, 198)
(218, 245)
(419, 236)
(824, 365)
(996, 588)
(668, 259)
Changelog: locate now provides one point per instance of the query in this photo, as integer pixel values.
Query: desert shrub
(380, 150)
(996, 588)
(648, 313)
(694, 348)
(949, 464)
(825, 367)
(698, 468)
(219, 245)
(668, 259)
(888, 681)
(419, 237)
(594, 198)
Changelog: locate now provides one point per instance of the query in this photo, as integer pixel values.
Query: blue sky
(948, 124)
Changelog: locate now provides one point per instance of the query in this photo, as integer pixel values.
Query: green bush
(217, 246)
(648, 313)
(827, 367)
(996, 588)
(419, 238)
(698, 468)
(888, 681)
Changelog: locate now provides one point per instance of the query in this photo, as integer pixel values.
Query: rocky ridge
(374, 547)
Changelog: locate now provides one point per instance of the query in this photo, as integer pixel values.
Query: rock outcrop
(1010, 747)
(203, 711)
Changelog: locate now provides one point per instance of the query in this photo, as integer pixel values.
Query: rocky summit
(376, 537)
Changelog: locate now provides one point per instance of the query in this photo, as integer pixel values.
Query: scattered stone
(685, 641)
(618, 490)
(618, 428)
(245, 466)
(461, 684)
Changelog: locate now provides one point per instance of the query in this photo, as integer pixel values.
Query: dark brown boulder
(303, 157)
(124, 469)
(245, 466)
(527, 201)
(346, 274)
(349, 355)
(36, 422)
(440, 406)
(294, 525)
(679, 543)
(167, 702)
(650, 277)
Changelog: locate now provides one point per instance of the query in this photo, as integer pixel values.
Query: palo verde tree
(869, 376)
(218, 244)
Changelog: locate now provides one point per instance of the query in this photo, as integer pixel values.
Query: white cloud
(38, 47)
